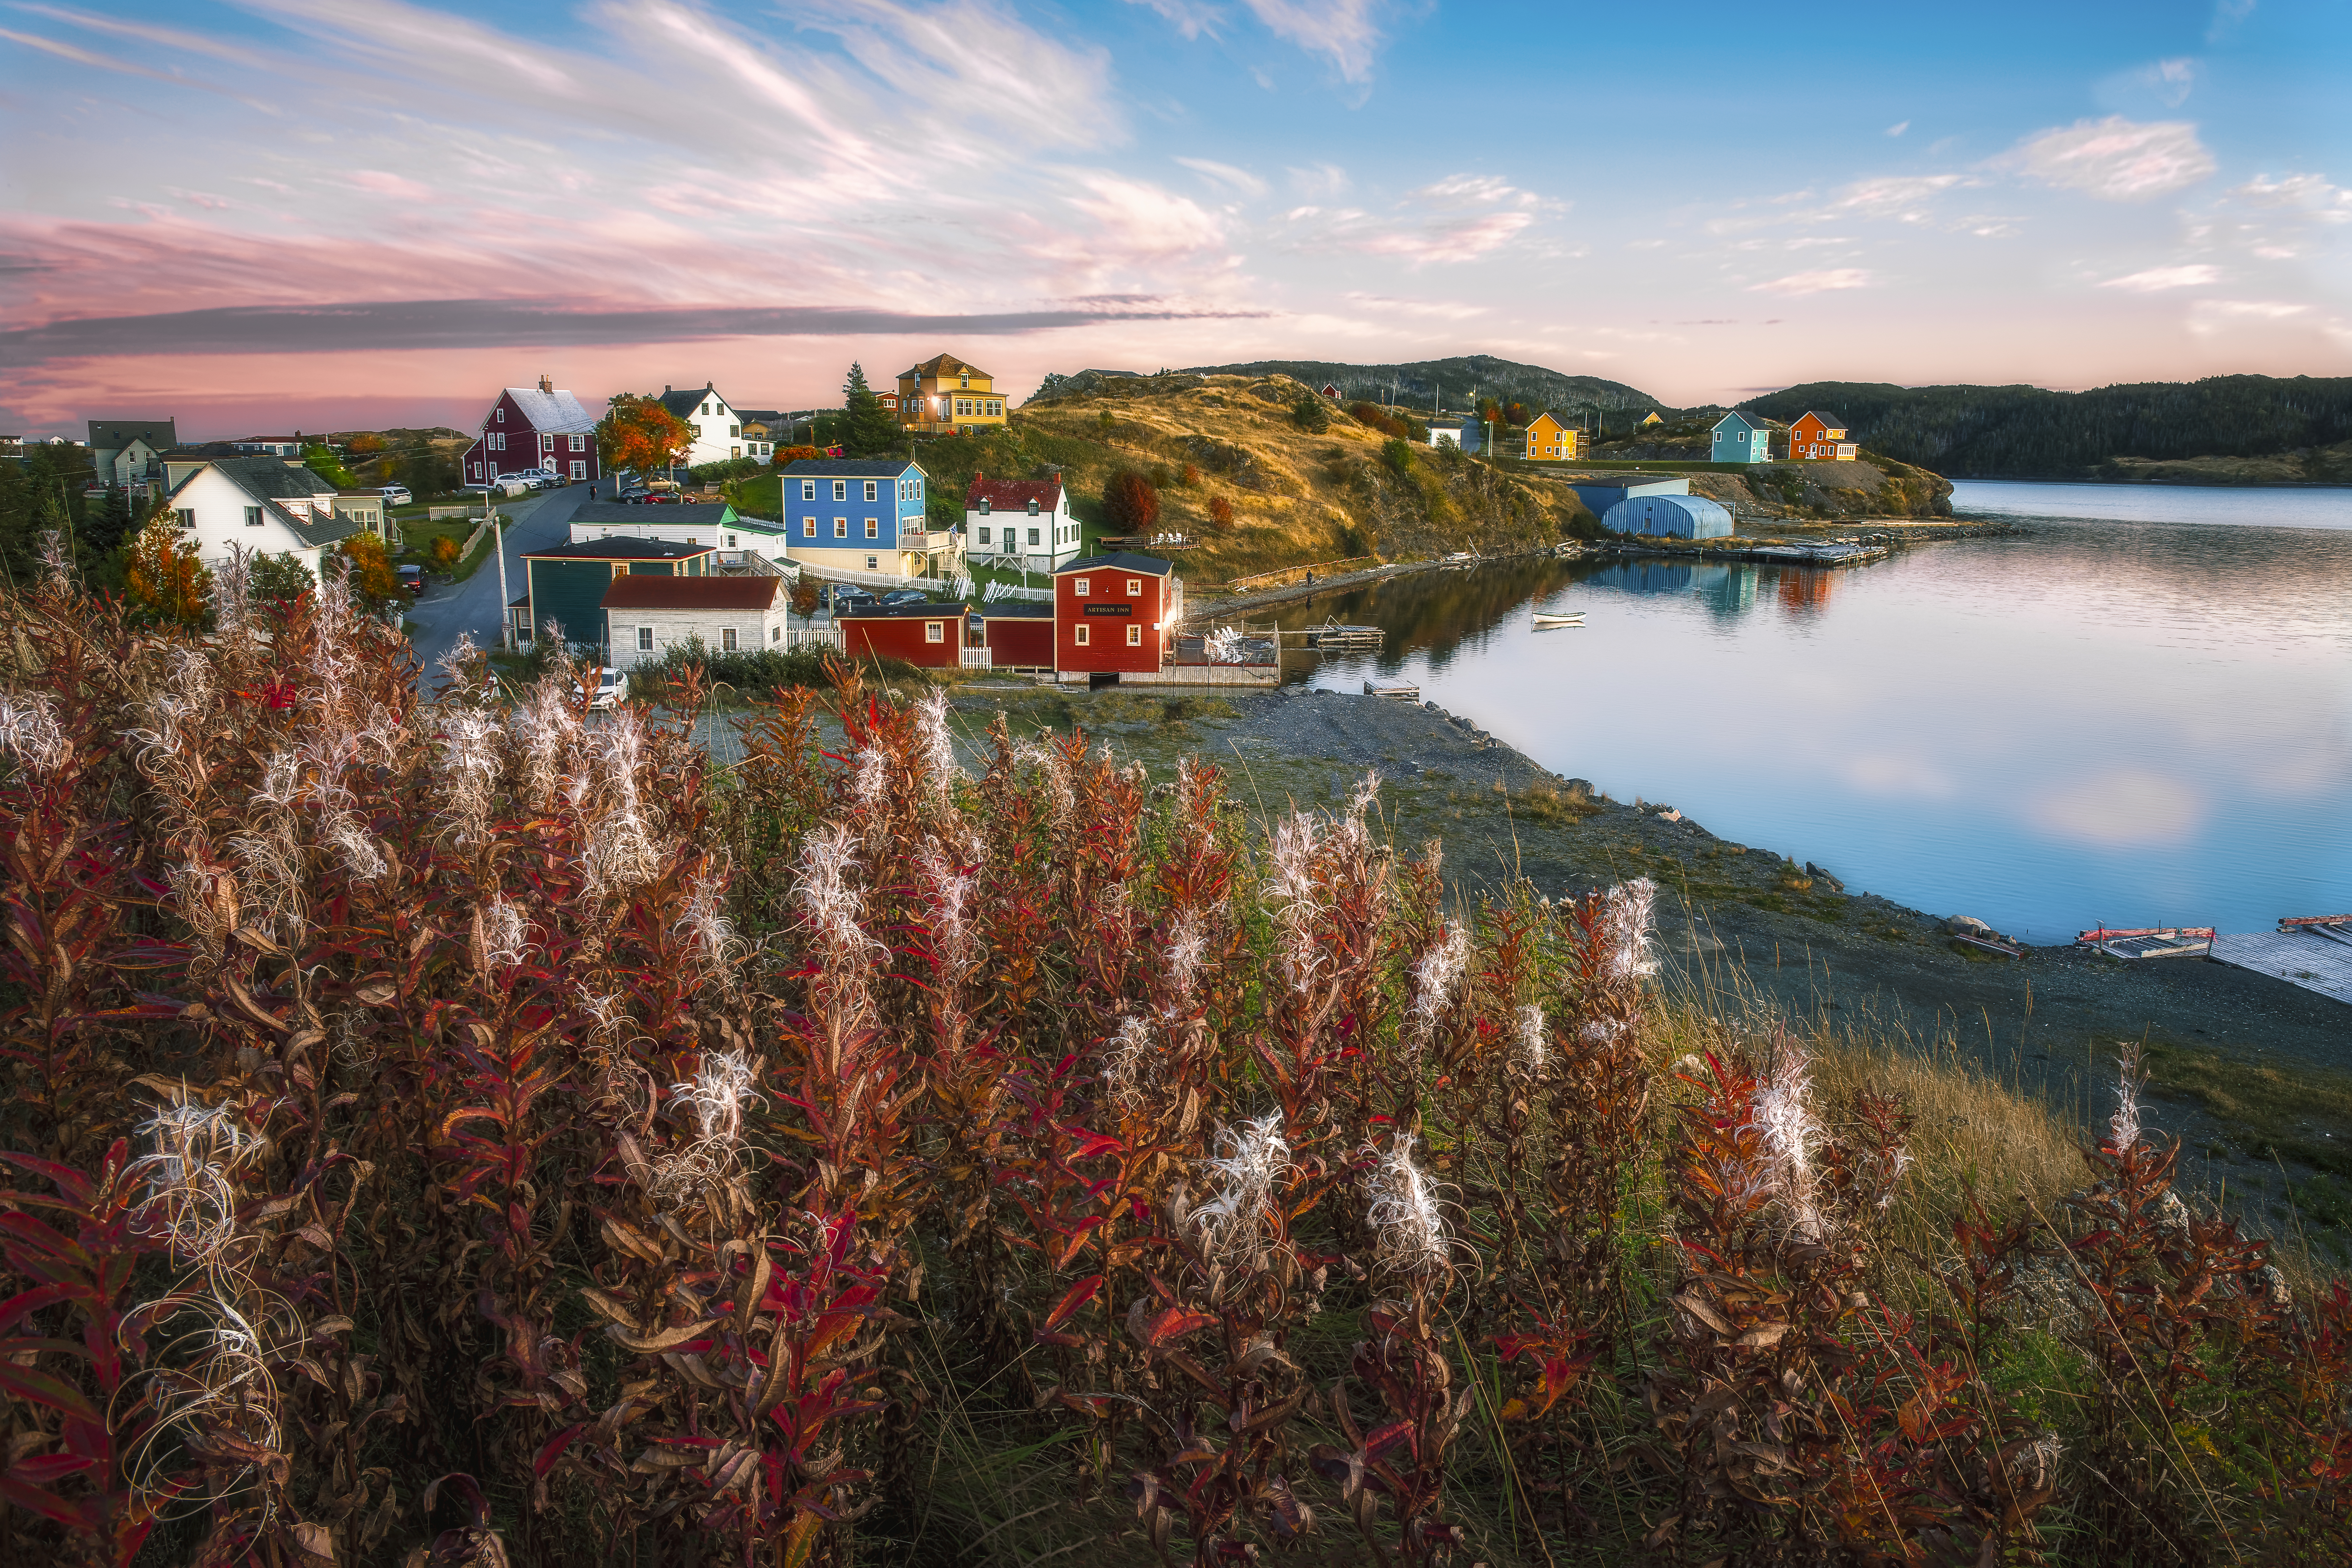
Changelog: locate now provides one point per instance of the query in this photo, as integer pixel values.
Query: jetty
(2151, 942)
(2313, 952)
(1399, 691)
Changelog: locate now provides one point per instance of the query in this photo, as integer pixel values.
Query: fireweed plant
(469, 1131)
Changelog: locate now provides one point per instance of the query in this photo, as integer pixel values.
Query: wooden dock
(2315, 954)
(2151, 942)
(1402, 693)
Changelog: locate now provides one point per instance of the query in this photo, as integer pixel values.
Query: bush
(727, 469)
(444, 551)
(1130, 503)
(1191, 477)
(1310, 414)
(1396, 453)
(1221, 513)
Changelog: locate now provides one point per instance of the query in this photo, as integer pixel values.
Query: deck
(2314, 957)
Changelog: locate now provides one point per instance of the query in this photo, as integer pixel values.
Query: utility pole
(506, 611)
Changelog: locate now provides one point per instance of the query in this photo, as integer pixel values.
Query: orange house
(1115, 614)
(1820, 437)
(1550, 441)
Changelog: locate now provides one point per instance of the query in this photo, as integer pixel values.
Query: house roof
(1753, 421)
(1015, 610)
(638, 593)
(619, 549)
(270, 480)
(904, 613)
(555, 413)
(1829, 420)
(117, 434)
(1014, 495)
(945, 364)
(685, 402)
(850, 468)
(1121, 560)
(703, 514)
(761, 415)
(1546, 413)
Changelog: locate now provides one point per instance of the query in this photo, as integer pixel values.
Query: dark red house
(535, 427)
(1017, 636)
(1115, 614)
(931, 636)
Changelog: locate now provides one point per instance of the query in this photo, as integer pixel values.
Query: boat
(2151, 942)
(1402, 693)
(1573, 619)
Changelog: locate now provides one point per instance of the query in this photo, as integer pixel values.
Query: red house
(1820, 437)
(931, 636)
(1115, 614)
(1017, 636)
(535, 427)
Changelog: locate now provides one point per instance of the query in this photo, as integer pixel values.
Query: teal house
(1741, 439)
(566, 583)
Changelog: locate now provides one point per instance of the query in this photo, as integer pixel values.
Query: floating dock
(1401, 693)
(2315, 954)
(2151, 942)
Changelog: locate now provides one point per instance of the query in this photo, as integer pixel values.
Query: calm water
(2139, 714)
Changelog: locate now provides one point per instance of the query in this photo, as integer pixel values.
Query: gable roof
(1548, 414)
(116, 433)
(270, 480)
(620, 550)
(1015, 610)
(697, 513)
(945, 364)
(1829, 421)
(551, 413)
(924, 612)
(1119, 560)
(640, 593)
(1014, 495)
(851, 467)
(685, 402)
(1752, 421)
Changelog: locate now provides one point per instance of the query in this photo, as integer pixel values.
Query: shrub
(1396, 453)
(1221, 513)
(1192, 476)
(1311, 415)
(445, 551)
(1130, 504)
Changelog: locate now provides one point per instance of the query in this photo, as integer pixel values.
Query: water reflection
(2124, 721)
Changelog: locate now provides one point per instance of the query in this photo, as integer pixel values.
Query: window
(873, 489)
(775, 634)
(1135, 636)
(501, 416)
(872, 529)
(734, 451)
(734, 429)
(965, 380)
(841, 528)
(645, 639)
(1079, 634)
(580, 443)
(706, 407)
(1033, 506)
(1134, 586)
(873, 563)
(1080, 587)
(547, 443)
(985, 507)
(808, 490)
(841, 489)
(984, 533)
(727, 640)
(253, 517)
(579, 468)
(1033, 536)
(935, 631)
(187, 516)
(808, 528)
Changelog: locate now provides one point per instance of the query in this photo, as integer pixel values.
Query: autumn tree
(873, 429)
(1129, 501)
(371, 578)
(1221, 514)
(807, 599)
(163, 576)
(641, 433)
(787, 455)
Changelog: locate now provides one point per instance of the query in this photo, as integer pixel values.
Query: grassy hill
(1456, 381)
(2225, 429)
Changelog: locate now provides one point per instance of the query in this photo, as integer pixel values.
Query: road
(447, 609)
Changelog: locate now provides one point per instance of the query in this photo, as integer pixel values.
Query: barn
(1115, 614)
(1017, 636)
(1669, 517)
(931, 636)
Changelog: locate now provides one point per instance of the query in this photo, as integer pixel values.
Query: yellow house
(945, 394)
(1549, 441)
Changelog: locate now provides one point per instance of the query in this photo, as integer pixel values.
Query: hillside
(1455, 381)
(2227, 429)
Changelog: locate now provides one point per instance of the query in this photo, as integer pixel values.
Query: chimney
(665, 389)
(545, 384)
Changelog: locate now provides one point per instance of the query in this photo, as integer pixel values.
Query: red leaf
(41, 1388)
(42, 1469)
(1077, 1295)
(553, 1450)
(1173, 1323)
(1386, 1437)
(33, 1500)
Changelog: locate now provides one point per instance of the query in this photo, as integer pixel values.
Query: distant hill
(1457, 379)
(2111, 432)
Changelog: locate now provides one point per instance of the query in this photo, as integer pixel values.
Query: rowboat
(2151, 942)
(1575, 620)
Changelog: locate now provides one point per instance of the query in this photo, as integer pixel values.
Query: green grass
(2299, 1113)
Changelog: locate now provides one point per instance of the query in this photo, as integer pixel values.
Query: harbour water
(2137, 712)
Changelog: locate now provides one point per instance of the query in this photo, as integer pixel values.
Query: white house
(1025, 522)
(714, 524)
(264, 504)
(125, 452)
(717, 426)
(646, 615)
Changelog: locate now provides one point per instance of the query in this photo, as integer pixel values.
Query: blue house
(1669, 517)
(865, 515)
(1741, 439)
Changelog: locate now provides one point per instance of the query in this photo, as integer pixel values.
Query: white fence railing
(813, 636)
(978, 658)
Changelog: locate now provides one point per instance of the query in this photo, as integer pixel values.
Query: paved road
(533, 522)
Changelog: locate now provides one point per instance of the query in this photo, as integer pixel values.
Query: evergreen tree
(111, 526)
(872, 431)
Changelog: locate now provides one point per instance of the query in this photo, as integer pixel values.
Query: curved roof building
(1669, 517)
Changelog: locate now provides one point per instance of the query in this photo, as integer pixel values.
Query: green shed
(566, 583)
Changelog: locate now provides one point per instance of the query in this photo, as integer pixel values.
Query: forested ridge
(2031, 432)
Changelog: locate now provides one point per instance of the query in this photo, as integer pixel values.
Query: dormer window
(965, 380)
(1033, 506)
(985, 506)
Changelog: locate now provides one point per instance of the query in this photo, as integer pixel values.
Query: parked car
(905, 596)
(412, 579)
(658, 498)
(848, 601)
(612, 687)
(396, 495)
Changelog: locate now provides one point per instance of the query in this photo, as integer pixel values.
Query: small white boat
(1576, 619)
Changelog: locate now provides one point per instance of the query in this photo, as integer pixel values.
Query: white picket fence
(813, 636)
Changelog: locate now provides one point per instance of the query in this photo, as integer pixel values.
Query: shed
(1017, 636)
(1669, 517)
(1601, 491)
(565, 584)
(1115, 614)
(645, 616)
(928, 635)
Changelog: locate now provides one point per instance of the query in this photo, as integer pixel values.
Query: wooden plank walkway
(2302, 957)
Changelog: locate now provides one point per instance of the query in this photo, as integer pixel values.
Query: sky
(334, 214)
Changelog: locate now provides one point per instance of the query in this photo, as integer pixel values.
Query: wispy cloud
(1190, 18)
(2114, 159)
(1226, 175)
(2227, 16)
(1461, 217)
(1346, 31)
(2156, 279)
(1826, 282)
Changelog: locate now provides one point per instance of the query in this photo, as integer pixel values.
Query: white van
(612, 689)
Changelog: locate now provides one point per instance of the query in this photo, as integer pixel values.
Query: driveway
(533, 522)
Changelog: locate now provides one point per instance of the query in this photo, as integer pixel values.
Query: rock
(1670, 814)
(1818, 875)
(1580, 788)
(1966, 925)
